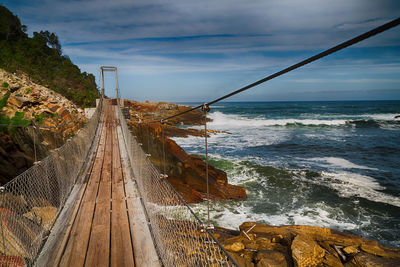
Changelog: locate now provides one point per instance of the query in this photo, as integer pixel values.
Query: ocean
(327, 164)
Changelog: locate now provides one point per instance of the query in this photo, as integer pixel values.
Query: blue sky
(184, 50)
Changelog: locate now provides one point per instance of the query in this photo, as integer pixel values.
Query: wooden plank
(99, 243)
(121, 244)
(55, 244)
(74, 254)
(145, 253)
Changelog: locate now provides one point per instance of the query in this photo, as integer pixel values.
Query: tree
(41, 58)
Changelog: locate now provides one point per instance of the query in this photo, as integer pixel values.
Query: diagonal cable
(325, 53)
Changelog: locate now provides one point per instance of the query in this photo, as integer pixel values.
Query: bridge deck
(100, 228)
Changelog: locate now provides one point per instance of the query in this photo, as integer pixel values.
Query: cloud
(235, 39)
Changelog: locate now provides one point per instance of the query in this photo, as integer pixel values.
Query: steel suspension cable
(325, 53)
(205, 110)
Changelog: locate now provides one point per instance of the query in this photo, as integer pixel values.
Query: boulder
(235, 247)
(15, 101)
(363, 259)
(306, 252)
(43, 216)
(350, 250)
(14, 87)
(53, 107)
(271, 259)
(241, 260)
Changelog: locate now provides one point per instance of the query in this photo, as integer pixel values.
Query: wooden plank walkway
(104, 222)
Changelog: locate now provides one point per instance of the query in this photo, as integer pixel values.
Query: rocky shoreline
(185, 172)
(255, 244)
(299, 245)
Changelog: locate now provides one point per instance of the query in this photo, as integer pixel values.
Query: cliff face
(185, 172)
(55, 119)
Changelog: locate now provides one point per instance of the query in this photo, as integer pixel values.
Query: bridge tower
(109, 68)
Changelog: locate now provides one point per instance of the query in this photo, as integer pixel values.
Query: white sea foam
(350, 184)
(237, 138)
(383, 116)
(317, 215)
(229, 121)
(341, 163)
(224, 121)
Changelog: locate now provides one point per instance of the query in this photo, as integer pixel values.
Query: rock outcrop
(185, 172)
(264, 245)
(149, 110)
(55, 119)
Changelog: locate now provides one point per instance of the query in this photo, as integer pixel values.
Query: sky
(197, 51)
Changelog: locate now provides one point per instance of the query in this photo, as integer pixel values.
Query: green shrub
(41, 117)
(28, 90)
(18, 120)
(4, 85)
(3, 100)
(41, 58)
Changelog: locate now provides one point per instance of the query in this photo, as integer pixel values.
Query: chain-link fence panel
(29, 203)
(180, 237)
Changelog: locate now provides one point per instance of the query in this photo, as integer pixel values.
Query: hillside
(25, 103)
(41, 58)
(42, 94)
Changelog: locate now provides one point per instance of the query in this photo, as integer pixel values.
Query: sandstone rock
(49, 123)
(167, 106)
(15, 101)
(12, 202)
(37, 100)
(306, 252)
(271, 259)
(62, 111)
(277, 239)
(42, 215)
(350, 250)
(14, 87)
(241, 261)
(331, 261)
(11, 243)
(186, 173)
(363, 259)
(53, 107)
(235, 247)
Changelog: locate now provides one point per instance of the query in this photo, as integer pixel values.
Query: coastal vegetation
(42, 59)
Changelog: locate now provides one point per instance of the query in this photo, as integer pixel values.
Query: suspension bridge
(99, 201)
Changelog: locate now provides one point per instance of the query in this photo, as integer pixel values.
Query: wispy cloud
(236, 39)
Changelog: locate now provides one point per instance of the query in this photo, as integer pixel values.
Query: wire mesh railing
(180, 237)
(29, 203)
